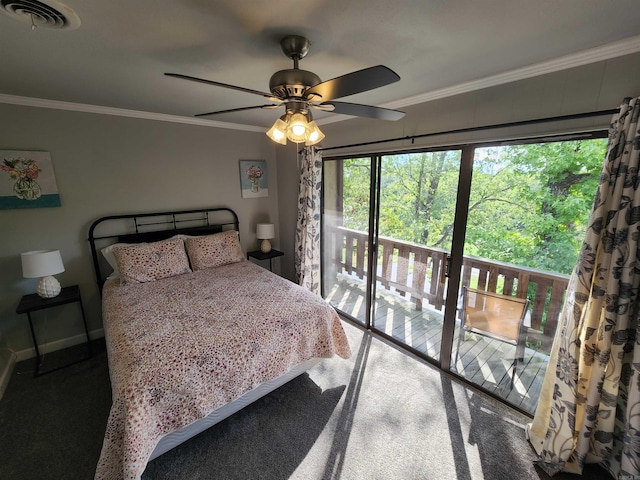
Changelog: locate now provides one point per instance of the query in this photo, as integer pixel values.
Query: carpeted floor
(382, 414)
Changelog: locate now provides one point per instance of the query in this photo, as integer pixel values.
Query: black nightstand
(260, 255)
(33, 302)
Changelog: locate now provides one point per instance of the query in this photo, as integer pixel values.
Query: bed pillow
(107, 253)
(214, 250)
(148, 262)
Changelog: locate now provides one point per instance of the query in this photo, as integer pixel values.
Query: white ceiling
(119, 54)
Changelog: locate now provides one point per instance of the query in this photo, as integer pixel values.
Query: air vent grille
(42, 14)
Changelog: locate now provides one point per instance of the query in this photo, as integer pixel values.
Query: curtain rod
(484, 127)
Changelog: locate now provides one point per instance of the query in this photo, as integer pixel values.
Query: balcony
(410, 299)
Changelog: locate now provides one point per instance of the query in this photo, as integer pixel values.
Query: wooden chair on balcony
(495, 316)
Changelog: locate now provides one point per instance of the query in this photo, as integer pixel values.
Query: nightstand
(33, 302)
(260, 255)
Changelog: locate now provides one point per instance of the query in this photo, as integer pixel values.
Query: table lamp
(43, 264)
(265, 232)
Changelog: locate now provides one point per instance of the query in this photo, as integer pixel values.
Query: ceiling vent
(42, 14)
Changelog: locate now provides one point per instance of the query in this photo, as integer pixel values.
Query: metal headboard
(152, 227)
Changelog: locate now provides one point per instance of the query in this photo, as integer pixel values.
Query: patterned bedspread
(181, 347)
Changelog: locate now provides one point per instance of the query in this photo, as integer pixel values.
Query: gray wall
(286, 158)
(108, 165)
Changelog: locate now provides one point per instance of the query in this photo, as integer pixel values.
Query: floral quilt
(183, 346)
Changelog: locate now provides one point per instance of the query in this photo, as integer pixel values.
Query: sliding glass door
(347, 214)
(409, 237)
(402, 207)
(415, 227)
(528, 211)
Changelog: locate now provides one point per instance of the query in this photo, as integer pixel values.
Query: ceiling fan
(299, 91)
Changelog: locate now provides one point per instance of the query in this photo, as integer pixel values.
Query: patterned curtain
(307, 247)
(589, 408)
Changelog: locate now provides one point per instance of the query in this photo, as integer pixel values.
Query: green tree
(416, 194)
(529, 203)
(552, 186)
(356, 184)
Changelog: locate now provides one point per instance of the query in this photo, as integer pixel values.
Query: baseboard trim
(7, 362)
(58, 345)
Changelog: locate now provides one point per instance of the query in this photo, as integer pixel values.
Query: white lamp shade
(265, 230)
(41, 263)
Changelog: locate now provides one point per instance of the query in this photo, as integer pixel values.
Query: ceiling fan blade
(236, 110)
(354, 82)
(368, 111)
(218, 84)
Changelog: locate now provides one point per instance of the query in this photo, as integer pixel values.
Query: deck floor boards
(483, 361)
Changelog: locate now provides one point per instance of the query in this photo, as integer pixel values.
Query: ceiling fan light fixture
(315, 134)
(298, 128)
(278, 131)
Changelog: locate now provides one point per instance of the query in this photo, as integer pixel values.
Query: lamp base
(265, 246)
(48, 287)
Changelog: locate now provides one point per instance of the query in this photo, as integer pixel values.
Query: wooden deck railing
(417, 271)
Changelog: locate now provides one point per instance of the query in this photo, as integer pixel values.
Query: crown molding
(121, 112)
(604, 52)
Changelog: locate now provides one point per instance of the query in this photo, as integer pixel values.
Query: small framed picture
(27, 180)
(253, 178)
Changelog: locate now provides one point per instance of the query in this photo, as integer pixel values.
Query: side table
(260, 255)
(33, 302)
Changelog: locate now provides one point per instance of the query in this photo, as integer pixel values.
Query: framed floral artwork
(27, 180)
(253, 178)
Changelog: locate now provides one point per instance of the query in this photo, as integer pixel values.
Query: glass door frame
(456, 255)
(372, 245)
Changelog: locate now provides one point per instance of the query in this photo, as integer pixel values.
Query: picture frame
(27, 180)
(254, 181)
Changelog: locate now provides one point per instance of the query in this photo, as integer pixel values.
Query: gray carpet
(382, 414)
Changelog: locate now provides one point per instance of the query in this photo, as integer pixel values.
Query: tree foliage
(529, 204)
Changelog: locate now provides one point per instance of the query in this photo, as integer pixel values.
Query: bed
(194, 331)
